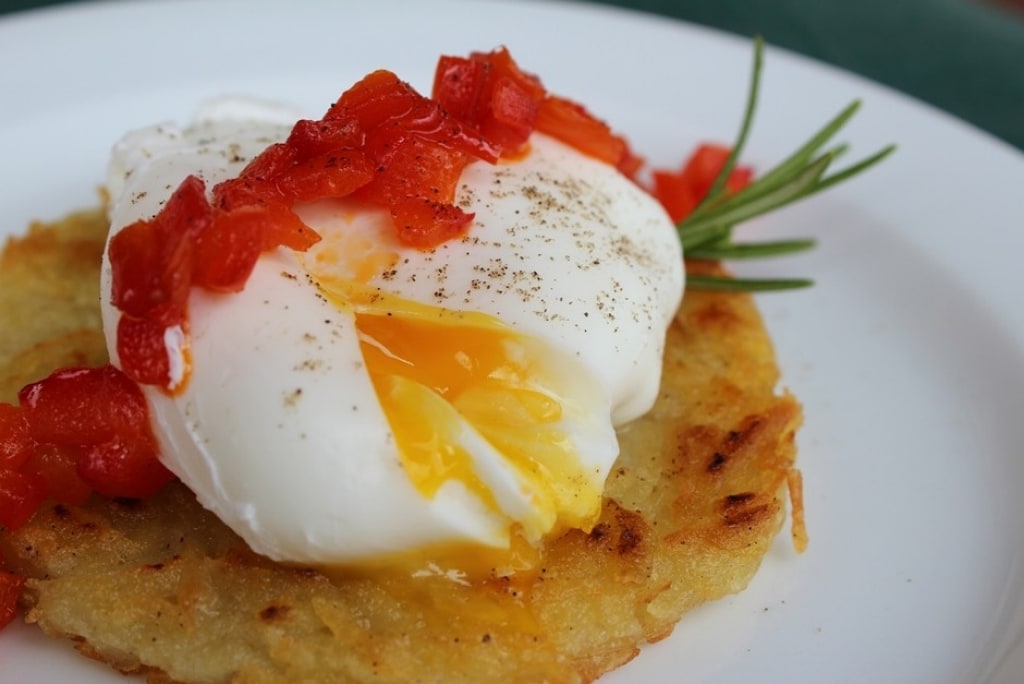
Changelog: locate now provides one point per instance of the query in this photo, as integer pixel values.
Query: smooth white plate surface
(908, 354)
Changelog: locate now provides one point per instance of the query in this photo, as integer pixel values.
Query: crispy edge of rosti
(161, 587)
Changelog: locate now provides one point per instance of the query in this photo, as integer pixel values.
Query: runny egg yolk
(451, 382)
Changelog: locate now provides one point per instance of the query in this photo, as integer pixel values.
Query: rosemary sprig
(706, 233)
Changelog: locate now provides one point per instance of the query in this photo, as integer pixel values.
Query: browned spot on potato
(274, 613)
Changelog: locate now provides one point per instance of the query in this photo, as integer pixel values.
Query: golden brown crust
(163, 588)
(49, 300)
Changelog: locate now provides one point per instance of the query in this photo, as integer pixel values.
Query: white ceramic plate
(908, 354)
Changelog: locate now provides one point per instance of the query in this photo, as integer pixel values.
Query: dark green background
(960, 55)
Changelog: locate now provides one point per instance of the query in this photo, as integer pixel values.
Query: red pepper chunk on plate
(77, 431)
(10, 591)
(682, 190)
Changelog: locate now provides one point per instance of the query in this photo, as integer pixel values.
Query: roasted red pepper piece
(491, 93)
(282, 228)
(460, 86)
(83, 406)
(20, 496)
(279, 224)
(126, 466)
(268, 164)
(630, 163)
(87, 429)
(10, 592)
(71, 407)
(56, 466)
(418, 168)
(142, 350)
(227, 251)
(425, 224)
(513, 113)
(336, 173)
(310, 139)
(151, 260)
(390, 112)
(573, 124)
(706, 162)
(418, 154)
(680, 191)
(676, 193)
(100, 416)
(20, 493)
(15, 442)
(246, 191)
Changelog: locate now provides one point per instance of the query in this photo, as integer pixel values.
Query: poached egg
(365, 399)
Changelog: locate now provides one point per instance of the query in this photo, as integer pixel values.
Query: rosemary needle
(706, 233)
(730, 284)
(750, 250)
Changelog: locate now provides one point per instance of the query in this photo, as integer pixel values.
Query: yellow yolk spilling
(440, 374)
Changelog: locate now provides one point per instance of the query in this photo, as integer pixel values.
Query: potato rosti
(161, 586)
(49, 293)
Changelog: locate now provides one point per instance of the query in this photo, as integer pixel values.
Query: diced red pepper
(126, 466)
(502, 65)
(418, 168)
(227, 251)
(10, 592)
(87, 430)
(630, 163)
(15, 442)
(187, 211)
(513, 112)
(676, 194)
(151, 260)
(459, 86)
(142, 350)
(279, 225)
(143, 284)
(282, 228)
(706, 163)
(310, 139)
(83, 406)
(681, 191)
(491, 93)
(56, 466)
(20, 495)
(425, 224)
(389, 110)
(331, 174)
(245, 191)
(370, 101)
(269, 163)
(573, 124)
